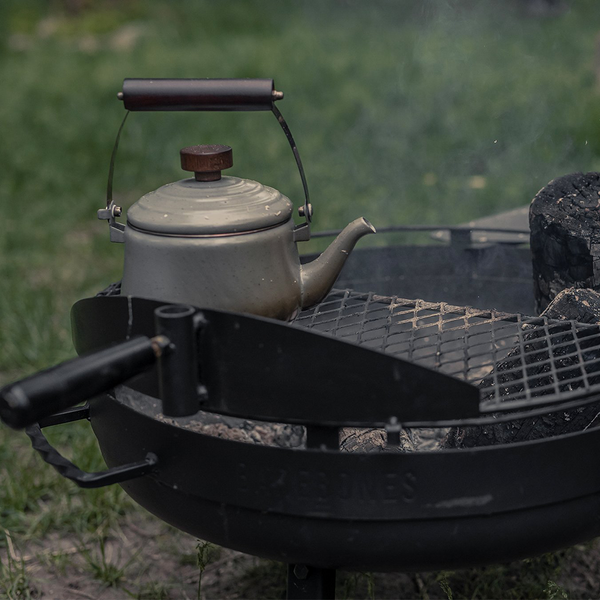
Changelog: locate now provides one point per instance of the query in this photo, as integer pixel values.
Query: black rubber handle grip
(42, 394)
(198, 94)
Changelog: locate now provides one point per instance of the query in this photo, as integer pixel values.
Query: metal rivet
(302, 213)
(300, 571)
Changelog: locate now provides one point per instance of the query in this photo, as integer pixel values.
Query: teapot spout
(319, 275)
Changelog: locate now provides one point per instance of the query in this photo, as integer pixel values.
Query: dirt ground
(146, 558)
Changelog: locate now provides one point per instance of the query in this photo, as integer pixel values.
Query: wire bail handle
(201, 95)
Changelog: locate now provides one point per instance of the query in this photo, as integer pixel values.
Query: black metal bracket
(322, 437)
(460, 238)
(393, 429)
(67, 469)
(308, 583)
(69, 415)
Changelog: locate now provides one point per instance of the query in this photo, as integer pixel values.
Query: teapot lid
(209, 204)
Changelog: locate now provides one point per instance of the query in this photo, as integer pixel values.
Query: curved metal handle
(83, 479)
(201, 95)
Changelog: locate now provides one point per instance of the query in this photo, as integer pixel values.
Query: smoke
(448, 111)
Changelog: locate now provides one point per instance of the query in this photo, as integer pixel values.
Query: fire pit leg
(304, 583)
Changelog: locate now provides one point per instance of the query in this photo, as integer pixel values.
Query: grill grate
(510, 357)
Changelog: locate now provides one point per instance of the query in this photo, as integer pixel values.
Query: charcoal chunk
(564, 219)
(581, 305)
(573, 304)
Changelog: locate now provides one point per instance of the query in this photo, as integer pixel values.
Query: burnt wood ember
(283, 435)
(564, 219)
(374, 440)
(230, 428)
(243, 430)
(582, 305)
(288, 436)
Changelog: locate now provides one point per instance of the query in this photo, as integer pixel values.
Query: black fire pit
(361, 359)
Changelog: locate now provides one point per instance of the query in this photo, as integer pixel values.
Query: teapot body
(255, 272)
(226, 243)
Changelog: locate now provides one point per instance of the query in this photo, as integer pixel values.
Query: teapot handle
(198, 94)
(201, 95)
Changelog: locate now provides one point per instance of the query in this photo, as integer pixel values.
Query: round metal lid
(227, 206)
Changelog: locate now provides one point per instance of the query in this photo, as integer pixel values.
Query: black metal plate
(497, 276)
(249, 363)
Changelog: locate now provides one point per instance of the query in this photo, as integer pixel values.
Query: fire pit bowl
(379, 511)
(388, 510)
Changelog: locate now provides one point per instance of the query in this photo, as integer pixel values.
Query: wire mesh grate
(510, 357)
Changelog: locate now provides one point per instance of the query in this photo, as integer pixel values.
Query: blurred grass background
(406, 112)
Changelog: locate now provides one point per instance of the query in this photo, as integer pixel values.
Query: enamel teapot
(217, 241)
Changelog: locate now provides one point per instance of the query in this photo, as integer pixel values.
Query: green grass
(14, 581)
(108, 570)
(532, 578)
(404, 112)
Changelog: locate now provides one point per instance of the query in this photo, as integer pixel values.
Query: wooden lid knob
(206, 161)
